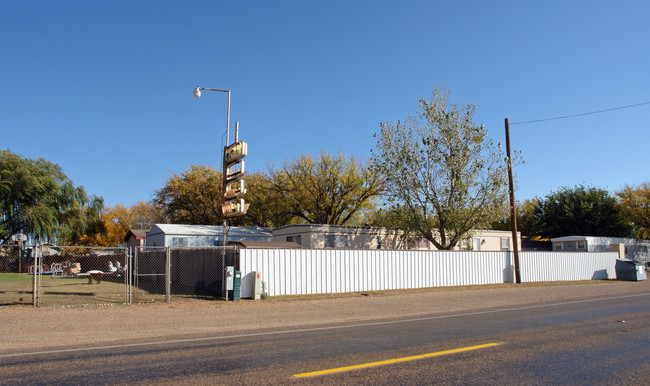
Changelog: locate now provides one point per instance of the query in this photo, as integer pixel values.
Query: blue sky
(104, 88)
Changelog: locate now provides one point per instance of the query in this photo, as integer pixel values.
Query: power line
(581, 114)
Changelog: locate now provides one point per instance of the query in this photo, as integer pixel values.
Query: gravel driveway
(27, 328)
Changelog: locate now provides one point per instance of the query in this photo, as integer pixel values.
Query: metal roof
(266, 244)
(207, 230)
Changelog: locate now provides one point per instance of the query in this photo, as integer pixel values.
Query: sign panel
(235, 189)
(236, 151)
(235, 170)
(234, 208)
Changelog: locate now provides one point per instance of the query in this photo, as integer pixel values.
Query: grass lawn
(16, 288)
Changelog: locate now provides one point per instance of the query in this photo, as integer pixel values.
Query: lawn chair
(57, 270)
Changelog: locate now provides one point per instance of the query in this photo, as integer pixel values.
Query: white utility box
(257, 285)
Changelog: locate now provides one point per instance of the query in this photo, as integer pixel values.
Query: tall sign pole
(232, 178)
(233, 185)
(513, 206)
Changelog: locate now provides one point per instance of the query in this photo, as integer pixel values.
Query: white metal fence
(567, 266)
(312, 271)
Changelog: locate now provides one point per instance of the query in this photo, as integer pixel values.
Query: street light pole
(197, 94)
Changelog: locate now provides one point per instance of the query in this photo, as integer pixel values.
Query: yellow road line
(396, 360)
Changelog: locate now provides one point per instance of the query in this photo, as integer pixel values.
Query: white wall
(567, 266)
(312, 271)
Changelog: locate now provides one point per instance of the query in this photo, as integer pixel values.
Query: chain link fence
(161, 273)
(92, 275)
(199, 272)
(83, 275)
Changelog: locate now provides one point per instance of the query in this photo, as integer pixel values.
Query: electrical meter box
(235, 294)
(230, 278)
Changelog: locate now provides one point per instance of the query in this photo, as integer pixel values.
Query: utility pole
(513, 207)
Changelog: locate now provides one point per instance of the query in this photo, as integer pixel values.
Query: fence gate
(150, 275)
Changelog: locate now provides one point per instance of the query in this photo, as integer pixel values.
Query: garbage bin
(235, 294)
(630, 270)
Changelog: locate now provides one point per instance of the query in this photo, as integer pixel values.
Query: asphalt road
(603, 340)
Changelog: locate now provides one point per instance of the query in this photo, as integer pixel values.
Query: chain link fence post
(168, 279)
(129, 270)
(36, 271)
(127, 287)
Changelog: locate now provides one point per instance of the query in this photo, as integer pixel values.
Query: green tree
(38, 199)
(194, 197)
(527, 221)
(392, 219)
(583, 211)
(333, 190)
(83, 218)
(442, 170)
(634, 203)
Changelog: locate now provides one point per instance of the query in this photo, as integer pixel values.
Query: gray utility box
(630, 270)
(230, 278)
(235, 294)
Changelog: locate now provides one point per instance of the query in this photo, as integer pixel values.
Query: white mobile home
(638, 250)
(176, 235)
(316, 236)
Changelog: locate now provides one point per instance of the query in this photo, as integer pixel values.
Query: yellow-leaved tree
(193, 197)
(634, 203)
(334, 190)
(119, 219)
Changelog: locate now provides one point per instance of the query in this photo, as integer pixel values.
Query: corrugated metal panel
(311, 271)
(556, 266)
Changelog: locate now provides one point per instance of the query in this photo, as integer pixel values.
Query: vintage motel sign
(233, 182)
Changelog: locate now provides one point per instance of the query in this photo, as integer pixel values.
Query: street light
(197, 94)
